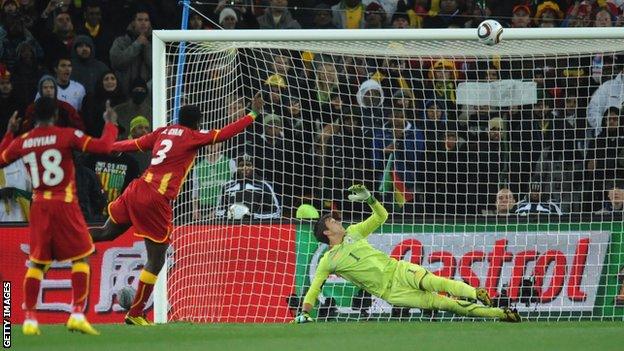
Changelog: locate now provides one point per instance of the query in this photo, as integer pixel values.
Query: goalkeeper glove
(303, 317)
(360, 193)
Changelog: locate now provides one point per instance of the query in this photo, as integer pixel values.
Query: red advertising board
(218, 273)
(113, 266)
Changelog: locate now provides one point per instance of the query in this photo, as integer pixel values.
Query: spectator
(107, 88)
(355, 70)
(491, 164)
(57, 42)
(610, 93)
(277, 16)
(400, 149)
(196, 22)
(393, 74)
(579, 15)
(443, 77)
(139, 126)
(448, 16)
(347, 161)
(389, 6)
(26, 73)
(131, 53)
(250, 190)
(91, 196)
(209, 175)
(99, 31)
(28, 12)
(615, 203)
(505, 203)
(400, 20)
(521, 16)
(68, 90)
(370, 98)
(245, 18)
(274, 157)
(67, 115)
(115, 172)
(86, 69)
(605, 155)
(447, 174)
(603, 18)
(323, 17)
(349, 14)
(548, 14)
(12, 34)
(8, 100)
(228, 18)
(15, 192)
(139, 103)
(537, 203)
(375, 17)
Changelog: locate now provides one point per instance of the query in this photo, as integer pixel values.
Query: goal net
(500, 166)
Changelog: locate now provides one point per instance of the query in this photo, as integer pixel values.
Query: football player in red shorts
(146, 202)
(57, 228)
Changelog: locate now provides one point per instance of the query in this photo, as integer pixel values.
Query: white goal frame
(159, 74)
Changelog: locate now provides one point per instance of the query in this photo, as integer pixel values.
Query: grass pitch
(343, 336)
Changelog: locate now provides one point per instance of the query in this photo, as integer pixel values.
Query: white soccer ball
(490, 32)
(237, 211)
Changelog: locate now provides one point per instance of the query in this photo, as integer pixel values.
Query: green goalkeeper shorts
(405, 287)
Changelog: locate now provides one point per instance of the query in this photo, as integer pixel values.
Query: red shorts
(58, 231)
(148, 211)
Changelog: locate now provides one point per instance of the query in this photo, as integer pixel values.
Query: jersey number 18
(51, 163)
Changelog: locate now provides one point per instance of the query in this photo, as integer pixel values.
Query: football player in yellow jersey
(401, 283)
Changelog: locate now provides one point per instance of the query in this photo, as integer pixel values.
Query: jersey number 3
(51, 163)
(161, 154)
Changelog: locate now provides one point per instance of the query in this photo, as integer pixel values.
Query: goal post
(443, 208)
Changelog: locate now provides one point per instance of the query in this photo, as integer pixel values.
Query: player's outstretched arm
(10, 150)
(322, 272)
(104, 144)
(379, 216)
(12, 130)
(219, 135)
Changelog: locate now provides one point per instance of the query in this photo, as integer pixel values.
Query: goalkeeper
(399, 282)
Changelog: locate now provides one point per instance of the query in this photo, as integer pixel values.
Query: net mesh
(500, 166)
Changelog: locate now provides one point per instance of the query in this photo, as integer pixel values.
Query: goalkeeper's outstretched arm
(379, 216)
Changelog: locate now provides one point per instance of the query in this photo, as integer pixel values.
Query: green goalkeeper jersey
(356, 260)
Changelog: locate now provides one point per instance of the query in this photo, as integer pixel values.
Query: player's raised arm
(12, 130)
(9, 148)
(322, 272)
(379, 216)
(219, 135)
(104, 144)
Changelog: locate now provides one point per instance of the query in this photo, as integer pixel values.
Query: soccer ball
(125, 296)
(490, 32)
(237, 211)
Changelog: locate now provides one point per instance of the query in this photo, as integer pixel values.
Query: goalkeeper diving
(400, 283)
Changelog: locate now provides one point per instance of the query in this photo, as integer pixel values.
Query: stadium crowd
(393, 124)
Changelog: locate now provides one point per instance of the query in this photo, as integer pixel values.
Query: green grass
(342, 336)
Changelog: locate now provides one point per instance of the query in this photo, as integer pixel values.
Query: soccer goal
(500, 166)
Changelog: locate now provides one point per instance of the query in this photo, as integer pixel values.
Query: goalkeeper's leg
(433, 283)
(410, 297)
(461, 307)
